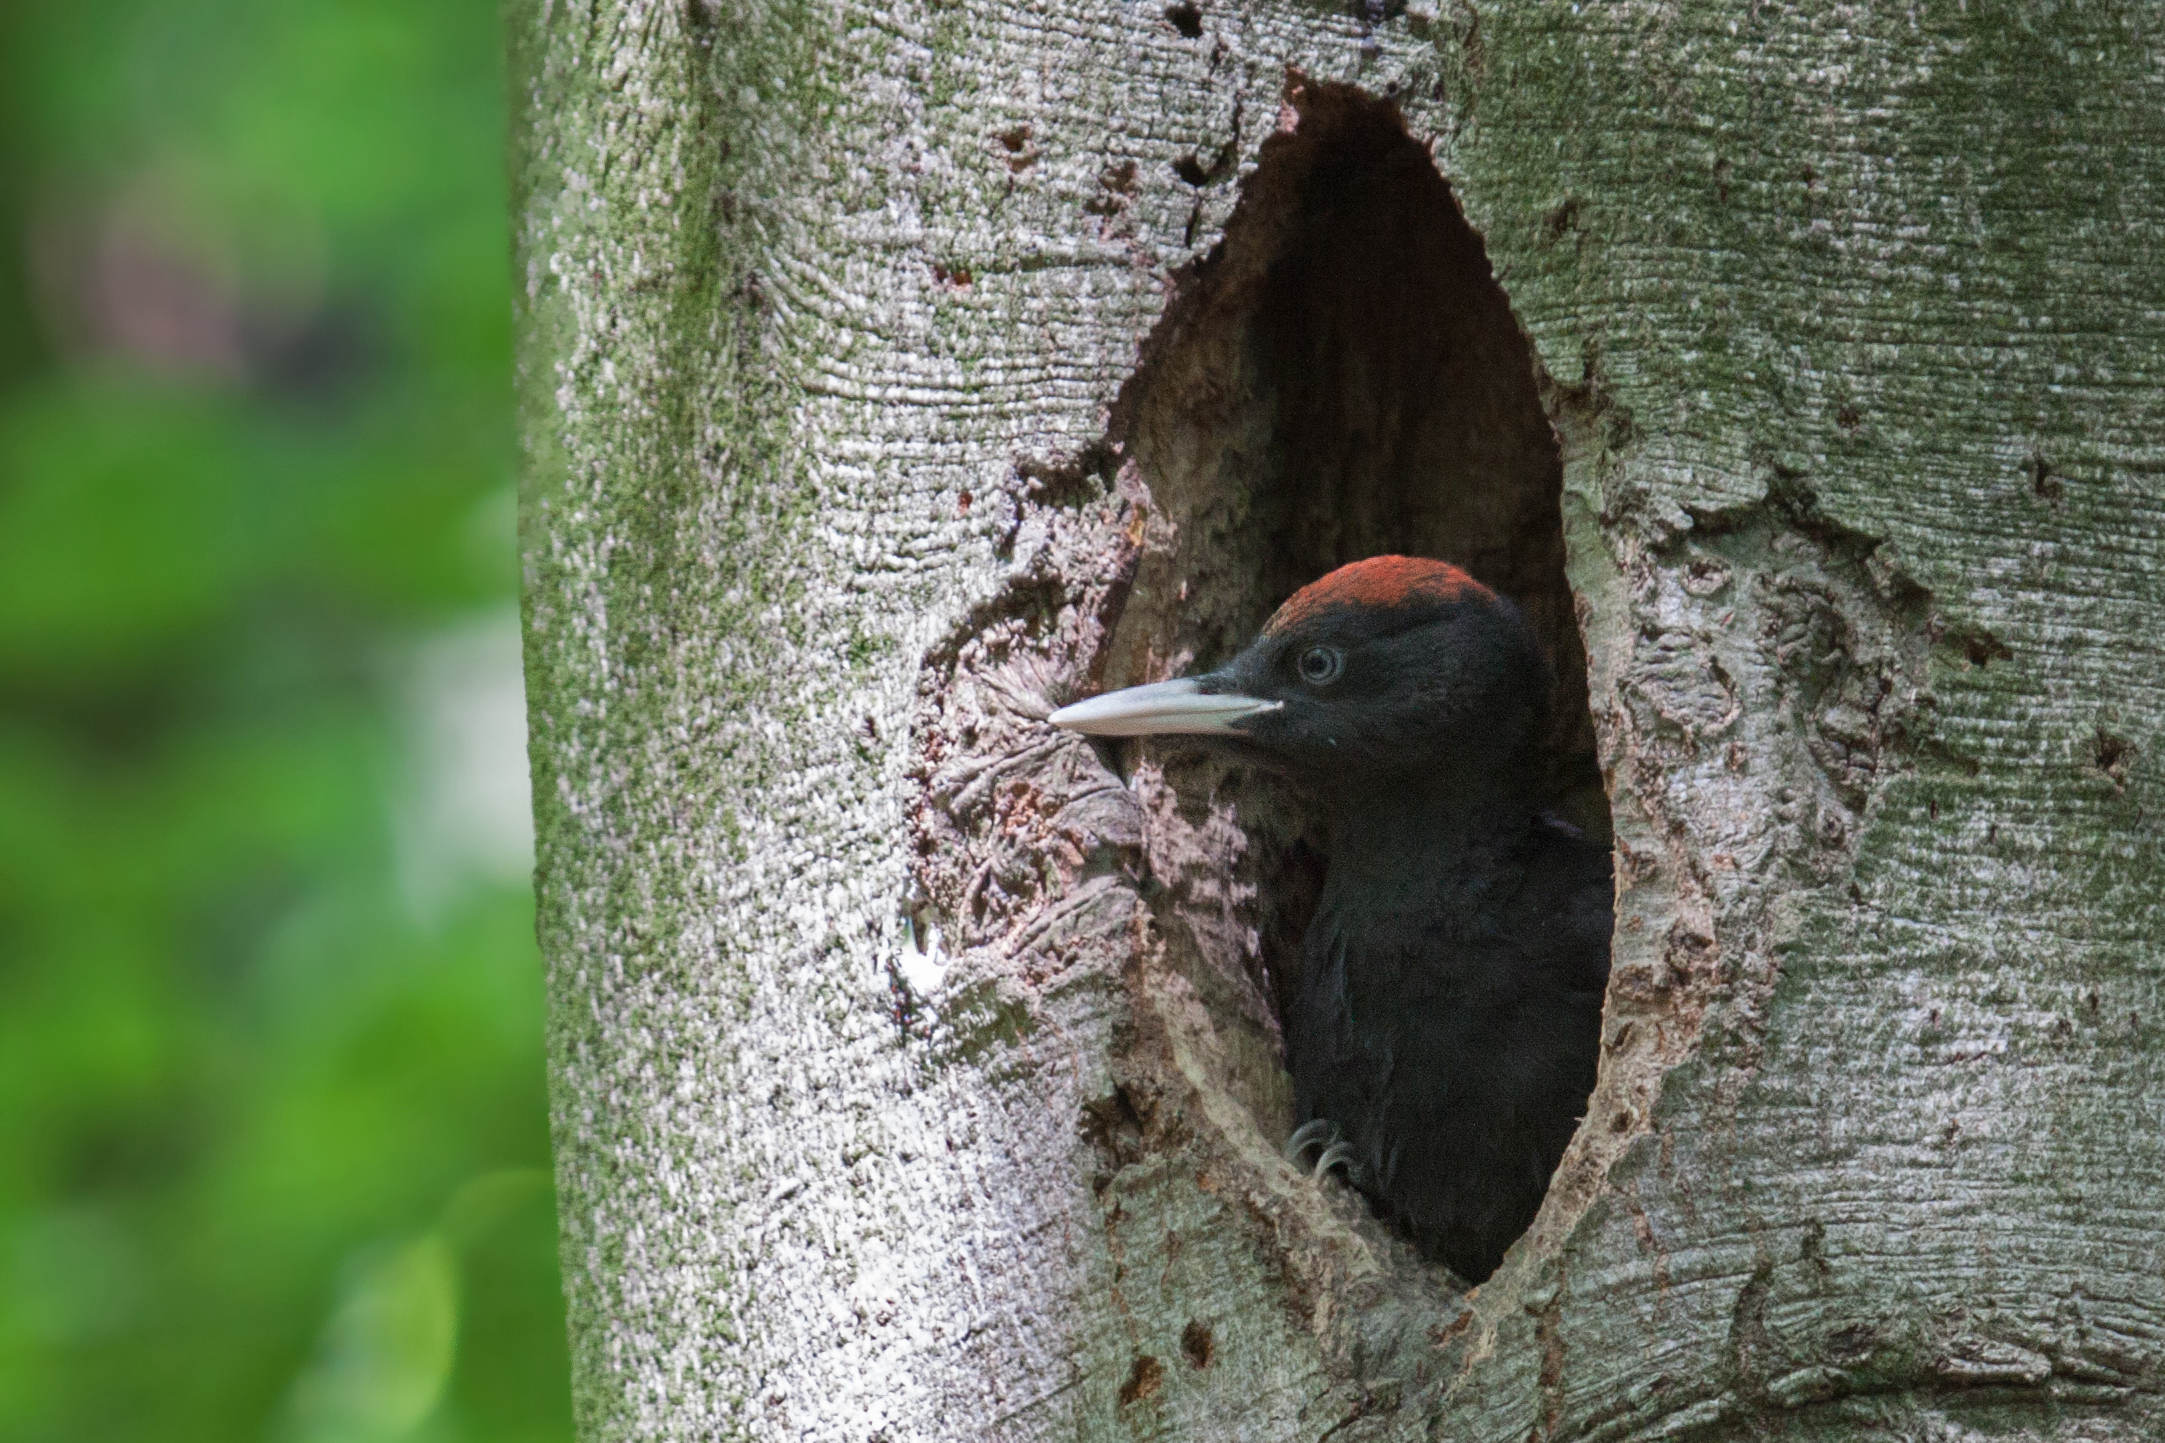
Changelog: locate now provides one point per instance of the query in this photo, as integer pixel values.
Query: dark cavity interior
(1341, 378)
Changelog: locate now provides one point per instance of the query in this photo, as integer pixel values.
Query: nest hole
(1342, 377)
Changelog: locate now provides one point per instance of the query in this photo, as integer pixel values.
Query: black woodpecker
(1449, 1013)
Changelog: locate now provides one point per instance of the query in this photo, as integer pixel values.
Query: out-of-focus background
(273, 1140)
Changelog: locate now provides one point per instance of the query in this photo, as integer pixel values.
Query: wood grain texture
(1849, 323)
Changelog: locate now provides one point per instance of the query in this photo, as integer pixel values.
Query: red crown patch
(1380, 581)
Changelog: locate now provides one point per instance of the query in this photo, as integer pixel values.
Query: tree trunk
(892, 375)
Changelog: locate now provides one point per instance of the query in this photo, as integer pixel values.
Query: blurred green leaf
(386, 1353)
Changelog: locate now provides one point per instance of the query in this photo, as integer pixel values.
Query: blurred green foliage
(273, 1138)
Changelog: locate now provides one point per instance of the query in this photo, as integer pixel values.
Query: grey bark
(915, 1075)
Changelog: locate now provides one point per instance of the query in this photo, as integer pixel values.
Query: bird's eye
(1320, 665)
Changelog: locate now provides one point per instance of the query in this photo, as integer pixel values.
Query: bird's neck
(1410, 831)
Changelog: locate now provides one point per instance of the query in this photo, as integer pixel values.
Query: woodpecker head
(1391, 671)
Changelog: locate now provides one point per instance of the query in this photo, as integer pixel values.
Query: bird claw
(1315, 1133)
(1338, 1154)
(1321, 1133)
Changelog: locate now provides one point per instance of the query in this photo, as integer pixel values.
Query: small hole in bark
(2113, 756)
(1561, 221)
(1187, 19)
(1981, 648)
(1145, 1381)
(1197, 1345)
(2045, 482)
(1341, 377)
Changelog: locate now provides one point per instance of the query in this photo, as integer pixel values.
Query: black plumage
(1447, 1025)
